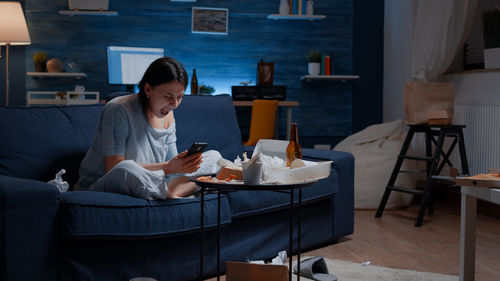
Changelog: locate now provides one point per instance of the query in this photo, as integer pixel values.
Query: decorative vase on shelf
(40, 66)
(314, 68)
(55, 65)
(310, 8)
(284, 8)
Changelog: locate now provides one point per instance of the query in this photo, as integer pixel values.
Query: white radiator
(482, 137)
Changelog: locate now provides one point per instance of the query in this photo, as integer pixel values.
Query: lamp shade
(13, 28)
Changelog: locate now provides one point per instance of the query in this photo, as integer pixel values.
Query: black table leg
(290, 250)
(202, 230)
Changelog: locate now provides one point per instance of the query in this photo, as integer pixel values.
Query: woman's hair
(161, 71)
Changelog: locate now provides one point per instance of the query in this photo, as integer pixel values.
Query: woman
(134, 149)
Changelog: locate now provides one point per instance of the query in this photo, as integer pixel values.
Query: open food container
(310, 171)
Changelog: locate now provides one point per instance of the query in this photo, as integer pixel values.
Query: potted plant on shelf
(39, 58)
(206, 90)
(491, 38)
(314, 66)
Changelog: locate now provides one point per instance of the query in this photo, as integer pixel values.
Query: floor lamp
(13, 31)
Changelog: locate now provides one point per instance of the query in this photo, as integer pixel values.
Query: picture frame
(265, 73)
(209, 20)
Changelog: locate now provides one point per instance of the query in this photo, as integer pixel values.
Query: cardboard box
(244, 271)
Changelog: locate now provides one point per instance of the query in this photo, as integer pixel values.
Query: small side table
(224, 188)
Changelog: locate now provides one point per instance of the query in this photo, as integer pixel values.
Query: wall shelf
(77, 75)
(329, 77)
(296, 17)
(61, 98)
(87, 13)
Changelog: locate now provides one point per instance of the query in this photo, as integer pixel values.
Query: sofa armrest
(28, 235)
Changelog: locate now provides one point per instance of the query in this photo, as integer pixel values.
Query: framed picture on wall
(209, 20)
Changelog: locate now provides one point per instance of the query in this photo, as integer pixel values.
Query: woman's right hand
(183, 164)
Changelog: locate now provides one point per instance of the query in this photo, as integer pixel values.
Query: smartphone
(197, 147)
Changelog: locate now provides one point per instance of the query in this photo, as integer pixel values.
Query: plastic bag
(59, 183)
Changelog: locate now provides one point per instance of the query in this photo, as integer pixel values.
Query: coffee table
(226, 187)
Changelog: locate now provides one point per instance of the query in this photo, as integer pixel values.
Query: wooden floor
(393, 241)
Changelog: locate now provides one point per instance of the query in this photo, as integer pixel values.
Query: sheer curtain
(441, 27)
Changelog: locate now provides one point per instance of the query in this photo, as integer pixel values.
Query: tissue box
(244, 271)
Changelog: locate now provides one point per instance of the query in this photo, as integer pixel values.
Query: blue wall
(16, 74)
(326, 108)
(368, 61)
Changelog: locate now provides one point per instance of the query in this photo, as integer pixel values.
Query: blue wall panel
(220, 61)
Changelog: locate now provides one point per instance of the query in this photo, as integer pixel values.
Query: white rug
(349, 271)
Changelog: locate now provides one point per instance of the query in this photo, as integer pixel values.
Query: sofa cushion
(37, 142)
(244, 203)
(210, 119)
(101, 214)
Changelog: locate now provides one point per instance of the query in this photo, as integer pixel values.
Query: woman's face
(164, 98)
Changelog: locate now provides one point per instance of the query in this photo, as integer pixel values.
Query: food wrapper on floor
(258, 270)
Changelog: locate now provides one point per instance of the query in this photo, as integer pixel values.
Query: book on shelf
(299, 7)
(322, 67)
(327, 64)
(304, 6)
(295, 7)
(290, 4)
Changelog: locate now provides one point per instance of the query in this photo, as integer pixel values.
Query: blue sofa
(84, 235)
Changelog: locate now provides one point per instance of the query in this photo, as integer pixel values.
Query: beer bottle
(293, 150)
(194, 83)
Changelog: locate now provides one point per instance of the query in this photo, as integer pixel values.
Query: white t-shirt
(124, 129)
